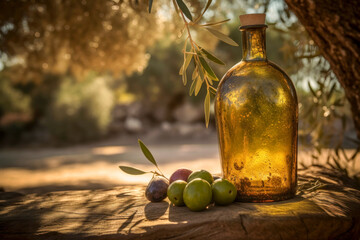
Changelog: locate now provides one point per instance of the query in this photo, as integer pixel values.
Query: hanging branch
(203, 74)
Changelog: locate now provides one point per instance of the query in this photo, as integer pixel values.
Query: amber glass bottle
(257, 120)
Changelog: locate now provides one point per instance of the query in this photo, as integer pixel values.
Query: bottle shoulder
(256, 75)
(255, 69)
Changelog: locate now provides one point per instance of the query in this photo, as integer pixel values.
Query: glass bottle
(256, 112)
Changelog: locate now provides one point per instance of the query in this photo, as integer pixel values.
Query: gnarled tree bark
(335, 28)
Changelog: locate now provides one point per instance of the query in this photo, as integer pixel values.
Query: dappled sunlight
(102, 100)
(90, 168)
(298, 204)
(109, 150)
(99, 172)
(97, 166)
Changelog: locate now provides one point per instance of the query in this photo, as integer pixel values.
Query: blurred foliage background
(78, 71)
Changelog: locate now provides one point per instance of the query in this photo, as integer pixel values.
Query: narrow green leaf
(311, 89)
(201, 73)
(192, 87)
(131, 170)
(181, 71)
(212, 57)
(212, 90)
(328, 96)
(212, 78)
(187, 61)
(215, 23)
(147, 153)
(195, 74)
(206, 7)
(222, 36)
(199, 82)
(207, 108)
(184, 78)
(209, 79)
(207, 68)
(184, 9)
(150, 5)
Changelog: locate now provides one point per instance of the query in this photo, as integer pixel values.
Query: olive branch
(203, 74)
(150, 157)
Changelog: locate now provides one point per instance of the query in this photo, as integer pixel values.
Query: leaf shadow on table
(154, 211)
(20, 221)
(127, 222)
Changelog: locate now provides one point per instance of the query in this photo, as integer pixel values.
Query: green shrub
(15, 111)
(11, 99)
(81, 110)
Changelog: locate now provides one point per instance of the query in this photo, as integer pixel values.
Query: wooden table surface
(332, 212)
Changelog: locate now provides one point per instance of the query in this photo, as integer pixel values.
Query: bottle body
(257, 118)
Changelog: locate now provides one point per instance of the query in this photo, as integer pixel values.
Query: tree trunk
(335, 28)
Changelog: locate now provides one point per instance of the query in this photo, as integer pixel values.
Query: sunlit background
(81, 81)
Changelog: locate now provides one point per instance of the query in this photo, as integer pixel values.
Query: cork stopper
(252, 19)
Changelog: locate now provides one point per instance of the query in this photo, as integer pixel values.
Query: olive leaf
(212, 90)
(207, 108)
(215, 23)
(328, 96)
(150, 5)
(131, 170)
(203, 72)
(192, 87)
(311, 89)
(147, 153)
(185, 65)
(199, 82)
(221, 36)
(211, 57)
(207, 68)
(182, 66)
(184, 9)
(195, 74)
(209, 79)
(149, 156)
(184, 78)
(206, 8)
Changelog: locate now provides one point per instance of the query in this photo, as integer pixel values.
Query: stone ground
(95, 165)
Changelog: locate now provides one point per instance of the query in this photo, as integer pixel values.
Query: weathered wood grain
(123, 213)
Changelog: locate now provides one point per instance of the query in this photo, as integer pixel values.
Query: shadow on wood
(154, 211)
(332, 212)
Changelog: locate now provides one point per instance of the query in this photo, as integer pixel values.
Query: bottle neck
(254, 43)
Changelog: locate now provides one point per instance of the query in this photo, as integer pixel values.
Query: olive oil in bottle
(257, 121)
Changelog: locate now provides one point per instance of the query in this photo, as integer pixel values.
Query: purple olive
(156, 191)
(180, 174)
